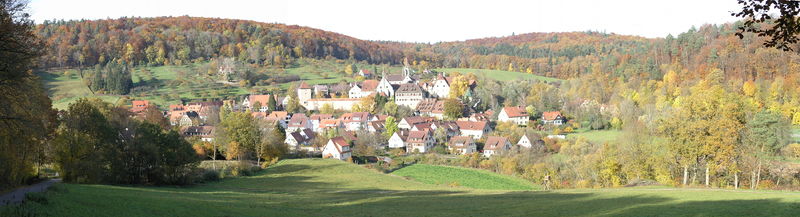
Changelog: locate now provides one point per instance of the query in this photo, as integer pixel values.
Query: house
(450, 127)
(299, 121)
(321, 91)
(440, 87)
(553, 117)
(365, 73)
(337, 148)
(516, 114)
(461, 145)
(282, 117)
(363, 89)
(304, 92)
(316, 119)
(379, 118)
(530, 141)
(495, 144)
(475, 129)
(431, 108)
(261, 100)
(300, 140)
(398, 139)
(385, 88)
(139, 105)
(409, 122)
(190, 118)
(376, 126)
(429, 126)
(408, 95)
(419, 141)
(345, 104)
(329, 124)
(206, 133)
(355, 121)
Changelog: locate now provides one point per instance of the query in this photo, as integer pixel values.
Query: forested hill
(179, 40)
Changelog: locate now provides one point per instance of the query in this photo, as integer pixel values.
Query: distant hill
(181, 40)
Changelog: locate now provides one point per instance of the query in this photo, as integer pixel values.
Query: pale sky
(421, 20)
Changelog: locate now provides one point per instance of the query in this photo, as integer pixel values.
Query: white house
(300, 140)
(440, 87)
(409, 122)
(419, 141)
(475, 129)
(385, 87)
(363, 89)
(408, 95)
(299, 121)
(398, 139)
(528, 141)
(337, 148)
(355, 121)
(495, 144)
(553, 117)
(516, 114)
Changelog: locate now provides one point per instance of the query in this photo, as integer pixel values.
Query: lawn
(596, 136)
(457, 176)
(499, 75)
(316, 187)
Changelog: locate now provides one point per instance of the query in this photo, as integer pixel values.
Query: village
(314, 133)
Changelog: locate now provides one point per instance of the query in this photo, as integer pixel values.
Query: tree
(783, 29)
(390, 126)
(26, 117)
(271, 104)
(256, 106)
(241, 134)
(453, 109)
(767, 133)
(326, 108)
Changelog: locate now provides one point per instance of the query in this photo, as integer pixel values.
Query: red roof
(303, 85)
(339, 142)
(262, 99)
(460, 141)
(495, 142)
(139, 105)
(516, 111)
(549, 116)
(418, 136)
(471, 125)
(369, 85)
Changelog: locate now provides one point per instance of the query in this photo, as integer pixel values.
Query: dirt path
(16, 196)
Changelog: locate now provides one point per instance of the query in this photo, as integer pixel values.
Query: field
(499, 75)
(316, 187)
(456, 176)
(596, 136)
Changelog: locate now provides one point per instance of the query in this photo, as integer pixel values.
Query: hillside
(183, 40)
(314, 187)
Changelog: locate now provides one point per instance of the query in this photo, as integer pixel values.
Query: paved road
(16, 196)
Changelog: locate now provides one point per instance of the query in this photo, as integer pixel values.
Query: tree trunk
(706, 175)
(758, 175)
(685, 175)
(752, 180)
(694, 175)
(736, 180)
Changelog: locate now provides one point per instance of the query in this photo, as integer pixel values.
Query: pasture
(317, 187)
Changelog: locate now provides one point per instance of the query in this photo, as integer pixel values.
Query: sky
(421, 20)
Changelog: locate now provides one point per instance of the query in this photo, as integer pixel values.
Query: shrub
(766, 184)
(211, 175)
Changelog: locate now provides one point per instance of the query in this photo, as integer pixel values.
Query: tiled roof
(495, 142)
(516, 111)
(471, 125)
(549, 116)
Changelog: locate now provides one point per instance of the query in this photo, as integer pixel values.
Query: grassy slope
(498, 74)
(472, 178)
(315, 187)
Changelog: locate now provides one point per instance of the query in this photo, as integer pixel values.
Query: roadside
(18, 195)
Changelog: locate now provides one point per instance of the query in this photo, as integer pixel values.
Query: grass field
(456, 176)
(596, 136)
(498, 74)
(316, 187)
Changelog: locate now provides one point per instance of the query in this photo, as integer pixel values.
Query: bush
(211, 176)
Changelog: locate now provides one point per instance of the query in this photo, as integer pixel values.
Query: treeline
(182, 40)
